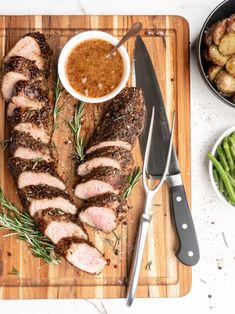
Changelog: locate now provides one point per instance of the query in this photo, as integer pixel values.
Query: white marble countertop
(214, 277)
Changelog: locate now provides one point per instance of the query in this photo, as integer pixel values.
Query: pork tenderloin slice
(16, 69)
(40, 118)
(99, 181)
(34, 90)
(104, 144)
(100, 218)
(104, 212)
(37, 133)
(56, 225)
(39, 192)
(24, 103)
(123, 120)
(29, 154)
(22, 65)
(56, 202)
(115, 157)
(92, 188)
(25, 146)
(28, 178)
(33, 46)
(82, 254)
(18, 165)
(8, 82)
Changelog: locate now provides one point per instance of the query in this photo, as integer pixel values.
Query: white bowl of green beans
(222, 167)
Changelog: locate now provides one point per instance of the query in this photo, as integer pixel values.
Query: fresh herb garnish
(148, 265)
(24, 227)
(14, 271)
(132, 180)
(5, 143)
(36, 161)
(117, 240)
(75, 126)
(57, 108)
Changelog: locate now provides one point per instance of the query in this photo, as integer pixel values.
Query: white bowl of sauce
(86, 71)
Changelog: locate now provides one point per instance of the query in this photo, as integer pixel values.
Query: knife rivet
(178, 198)
(184, 226)
(190, 253)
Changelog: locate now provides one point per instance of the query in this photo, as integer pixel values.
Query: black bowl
(223, 10)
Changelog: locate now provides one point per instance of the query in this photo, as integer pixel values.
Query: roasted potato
(215, 56)
(225, 83)
(230, 66)
(208, 37)
(219, 31)
(227, 44)
(213, 70)
(205, 54)
(231, 24)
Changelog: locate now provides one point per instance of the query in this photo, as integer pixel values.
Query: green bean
(223, 176)
(222, 158)
(232, 180)
(233, 136)
(216, 175)
(228, 154)
(232, 147)
(221, 185)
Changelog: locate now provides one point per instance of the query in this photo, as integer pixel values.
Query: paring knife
(145, 77)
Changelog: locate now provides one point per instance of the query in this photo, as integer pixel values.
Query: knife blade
(146, 79)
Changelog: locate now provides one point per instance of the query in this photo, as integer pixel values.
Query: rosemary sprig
(75, 126)
(5, 143)
(57, 109)
(36, 161)
(117, 240)
(148, 265)
(24, 227)
(133, 179)
(14, 271)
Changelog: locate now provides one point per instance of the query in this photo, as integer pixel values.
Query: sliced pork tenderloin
(27, 95)
(12, 68)
(8, 83)
(37, 172)
(105, 144)
(38, 198)
(56, 225)
(122, 123)
(99, 181)
(115, 157)
(82, 254)
(104, 212)
(34, 47)
(26, 147)
(40, 118)
(37, 133)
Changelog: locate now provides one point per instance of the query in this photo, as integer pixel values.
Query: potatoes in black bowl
(216, 51)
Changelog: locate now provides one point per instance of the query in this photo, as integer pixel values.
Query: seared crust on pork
(22, 65)
(124, 119)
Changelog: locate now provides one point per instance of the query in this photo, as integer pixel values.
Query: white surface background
(213, 288)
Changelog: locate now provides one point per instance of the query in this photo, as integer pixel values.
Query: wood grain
(167, 39)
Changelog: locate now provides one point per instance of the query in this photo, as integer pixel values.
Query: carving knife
(144, 76)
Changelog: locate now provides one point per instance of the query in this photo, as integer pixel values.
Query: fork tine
(147, 151)
(163, 178)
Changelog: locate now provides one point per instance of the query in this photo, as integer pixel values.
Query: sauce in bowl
(90, 72)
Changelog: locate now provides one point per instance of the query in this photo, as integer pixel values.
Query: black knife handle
(188, 250)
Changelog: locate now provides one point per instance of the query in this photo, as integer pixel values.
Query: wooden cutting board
(167, 39)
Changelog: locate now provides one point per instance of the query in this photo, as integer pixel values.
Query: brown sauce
(90, 72)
